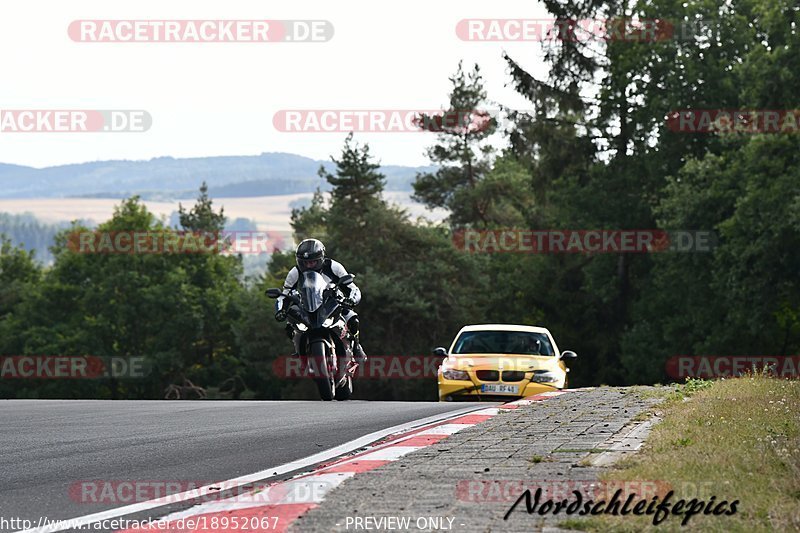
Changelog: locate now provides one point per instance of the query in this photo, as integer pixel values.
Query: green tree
(171, 308)
(310, 222)
(19, 276)
(464, 161)
(202, 217)
(742, 297)
(356, 193)
(213, 278)
(357, 184)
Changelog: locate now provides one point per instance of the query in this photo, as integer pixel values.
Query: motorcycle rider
(310, 255)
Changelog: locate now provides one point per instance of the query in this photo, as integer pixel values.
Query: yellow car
(501, 361)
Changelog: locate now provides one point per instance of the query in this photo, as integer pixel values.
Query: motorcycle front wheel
(325, 383)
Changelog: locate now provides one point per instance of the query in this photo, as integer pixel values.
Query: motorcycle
(315, 312)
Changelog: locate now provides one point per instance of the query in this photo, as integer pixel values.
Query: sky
(211, 99)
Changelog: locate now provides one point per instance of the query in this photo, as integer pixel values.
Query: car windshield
(505, 342)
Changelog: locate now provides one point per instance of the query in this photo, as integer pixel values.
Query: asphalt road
(48, 447)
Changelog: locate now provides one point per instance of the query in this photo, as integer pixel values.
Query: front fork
(348, 362)
(338, 366)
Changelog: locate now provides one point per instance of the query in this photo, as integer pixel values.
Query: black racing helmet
(310, 255)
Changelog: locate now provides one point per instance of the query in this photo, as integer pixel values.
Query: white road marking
(445, 429)
(490, 411)
(389, 453)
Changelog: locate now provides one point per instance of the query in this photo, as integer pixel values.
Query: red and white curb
(279, 504)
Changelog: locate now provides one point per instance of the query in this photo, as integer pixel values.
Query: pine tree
(357, 184)
(464, 162)
(201, 217)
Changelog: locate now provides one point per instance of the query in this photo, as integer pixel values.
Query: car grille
(513, 375)
(488, 375)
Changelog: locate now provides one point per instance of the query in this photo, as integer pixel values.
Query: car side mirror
(345, 280)
(440, 352)
(568, 354)
(273, 293)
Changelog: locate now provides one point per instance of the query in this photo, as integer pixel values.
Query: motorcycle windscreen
(311, 287)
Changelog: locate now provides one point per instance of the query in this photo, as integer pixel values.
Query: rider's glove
(348, 302)
(280, 316)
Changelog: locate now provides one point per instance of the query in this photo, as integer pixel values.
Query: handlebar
(294, 297)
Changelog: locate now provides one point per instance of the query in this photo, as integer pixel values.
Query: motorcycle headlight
(455, 374)
(545, 376)
(328, 322)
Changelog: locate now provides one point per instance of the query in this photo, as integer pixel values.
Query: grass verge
(734, 439)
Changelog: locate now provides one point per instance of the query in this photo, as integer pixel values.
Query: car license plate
(500, 389)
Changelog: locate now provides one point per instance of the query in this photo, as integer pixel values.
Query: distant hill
(168, 177)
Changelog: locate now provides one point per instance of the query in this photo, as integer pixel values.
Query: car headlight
(545, 376)
(455, 374)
